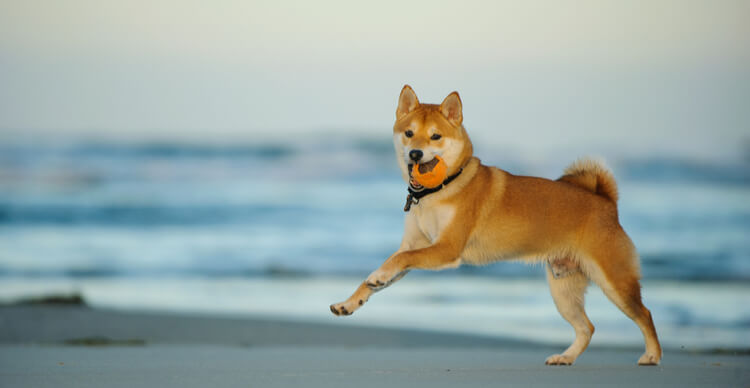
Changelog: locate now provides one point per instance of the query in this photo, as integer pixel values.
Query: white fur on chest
(432, 220)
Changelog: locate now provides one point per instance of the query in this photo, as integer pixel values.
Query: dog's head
(423, 131)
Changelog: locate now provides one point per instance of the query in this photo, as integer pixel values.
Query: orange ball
(433, 178)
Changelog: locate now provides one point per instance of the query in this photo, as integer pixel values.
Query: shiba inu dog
(482, 214)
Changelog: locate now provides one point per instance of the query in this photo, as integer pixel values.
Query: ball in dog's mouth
(430, 174)
(429, 166)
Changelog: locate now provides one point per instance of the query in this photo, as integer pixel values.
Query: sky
(667, 76)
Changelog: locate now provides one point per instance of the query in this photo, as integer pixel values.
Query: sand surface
(81, 347)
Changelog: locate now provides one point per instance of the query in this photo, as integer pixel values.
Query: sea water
(285, 228)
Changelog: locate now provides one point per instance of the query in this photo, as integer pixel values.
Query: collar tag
(409, 201)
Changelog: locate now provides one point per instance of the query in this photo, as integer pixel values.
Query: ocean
(288, 227)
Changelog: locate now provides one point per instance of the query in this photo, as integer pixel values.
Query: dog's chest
(432, 220)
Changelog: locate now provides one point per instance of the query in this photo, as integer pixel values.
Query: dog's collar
(415, 195)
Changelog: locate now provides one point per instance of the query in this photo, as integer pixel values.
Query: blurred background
(235, 157)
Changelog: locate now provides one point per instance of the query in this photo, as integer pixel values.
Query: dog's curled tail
(593, 176)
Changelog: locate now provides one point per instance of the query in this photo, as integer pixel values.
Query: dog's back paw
(559, 359)
(649, 359)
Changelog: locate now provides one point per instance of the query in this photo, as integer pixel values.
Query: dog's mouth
(423, 169)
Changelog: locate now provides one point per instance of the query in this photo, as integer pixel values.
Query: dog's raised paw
(340, 309)
(559, 359)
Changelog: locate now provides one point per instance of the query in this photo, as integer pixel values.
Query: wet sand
(45, 346)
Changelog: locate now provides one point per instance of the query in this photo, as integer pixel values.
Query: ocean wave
(111, 158)
(170, 150)
(145, 215)
(309, 206)
(657, 266)
(162, 150)
(667, 170)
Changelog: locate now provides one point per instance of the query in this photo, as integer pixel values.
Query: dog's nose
(415, 155)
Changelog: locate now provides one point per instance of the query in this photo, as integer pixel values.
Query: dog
(482, 214)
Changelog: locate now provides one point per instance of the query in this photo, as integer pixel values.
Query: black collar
(414, 196)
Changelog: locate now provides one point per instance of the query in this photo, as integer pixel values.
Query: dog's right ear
(407, 102)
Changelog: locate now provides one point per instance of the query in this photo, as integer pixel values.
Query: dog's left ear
(451, 108)
(407, 102)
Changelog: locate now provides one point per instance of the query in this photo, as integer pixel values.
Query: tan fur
(487, 214)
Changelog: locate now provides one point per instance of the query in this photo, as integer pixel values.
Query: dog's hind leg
(568, 294)
(615, 270)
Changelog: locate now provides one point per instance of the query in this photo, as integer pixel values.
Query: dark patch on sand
(104, 341)
(51, 300)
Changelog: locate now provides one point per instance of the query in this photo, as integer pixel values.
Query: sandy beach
(45, 346)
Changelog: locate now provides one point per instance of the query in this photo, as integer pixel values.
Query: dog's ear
(407, 102)
(451, 108)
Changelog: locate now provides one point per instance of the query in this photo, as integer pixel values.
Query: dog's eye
(435, 137)
(409, 133)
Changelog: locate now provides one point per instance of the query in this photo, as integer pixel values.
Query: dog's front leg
(358, 298)
(439, 256)
(362, 294)
(442, 253)
(435, 257)
(413, 239)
